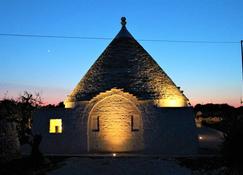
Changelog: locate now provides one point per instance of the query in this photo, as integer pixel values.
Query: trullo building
(125, 103)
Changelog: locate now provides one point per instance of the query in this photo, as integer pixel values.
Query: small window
(96, 124)
(134, 123)
(55, 126)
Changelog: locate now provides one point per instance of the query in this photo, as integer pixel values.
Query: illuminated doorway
(115, 125)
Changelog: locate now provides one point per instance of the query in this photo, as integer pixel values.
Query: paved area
(125, 166)
(119, 166)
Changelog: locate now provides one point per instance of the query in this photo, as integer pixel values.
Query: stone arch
(114, 123)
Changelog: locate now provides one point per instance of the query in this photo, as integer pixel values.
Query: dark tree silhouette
(232, 149)
(60, 105)
(20, 111)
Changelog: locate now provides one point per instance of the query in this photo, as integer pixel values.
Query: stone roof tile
(125, 64)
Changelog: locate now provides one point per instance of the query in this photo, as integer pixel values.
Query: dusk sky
(206, 72)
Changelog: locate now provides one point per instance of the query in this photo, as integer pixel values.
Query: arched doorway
(115, 125)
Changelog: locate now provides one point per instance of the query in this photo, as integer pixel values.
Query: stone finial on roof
(123, 21)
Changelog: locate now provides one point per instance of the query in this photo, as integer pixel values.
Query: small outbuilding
(125, 103)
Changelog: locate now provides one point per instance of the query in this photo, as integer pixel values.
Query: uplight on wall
(172, 102)
(55, 126)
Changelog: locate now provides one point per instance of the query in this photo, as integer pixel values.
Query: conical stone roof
(126, 65)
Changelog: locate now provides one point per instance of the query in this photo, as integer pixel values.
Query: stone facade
(154, 130)
(125, 103)
(115, 123)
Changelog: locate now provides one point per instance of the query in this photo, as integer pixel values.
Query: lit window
(55, 126)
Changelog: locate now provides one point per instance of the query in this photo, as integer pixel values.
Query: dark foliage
(232, 149)
(24, 166)
(232, 126)
(9, 110)
(60, 105)
(20, 111)
(220, 110)
(226, 112)
(49, 106)
(27, 103)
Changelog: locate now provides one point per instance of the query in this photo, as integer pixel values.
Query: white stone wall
(169, 131)
(70, 141)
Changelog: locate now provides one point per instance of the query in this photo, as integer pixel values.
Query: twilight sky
(208, 73)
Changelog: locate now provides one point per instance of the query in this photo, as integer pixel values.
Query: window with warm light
(55, 126)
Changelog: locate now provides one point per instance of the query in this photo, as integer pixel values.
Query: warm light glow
(172, 102)
(116, 131)
(115, 125)
(69, 104)
(114, 154)
(200, 137)
(55, 126)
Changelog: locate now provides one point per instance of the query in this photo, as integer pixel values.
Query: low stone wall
(70, 141)
(169, 131)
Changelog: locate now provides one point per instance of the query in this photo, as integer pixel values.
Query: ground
(120, 165)
(130, 165)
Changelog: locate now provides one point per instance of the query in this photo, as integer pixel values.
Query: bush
(232, 149)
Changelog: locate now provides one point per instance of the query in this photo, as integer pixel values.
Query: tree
(9, 110)
(27, 103)
(20, 111)
(60, 105)
(232, 147)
